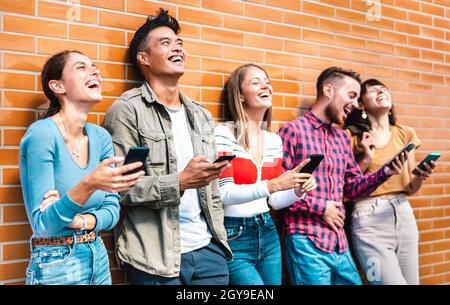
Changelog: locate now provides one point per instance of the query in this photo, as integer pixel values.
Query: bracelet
(84, 222)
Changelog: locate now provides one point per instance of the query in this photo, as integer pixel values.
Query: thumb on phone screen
(302, 164)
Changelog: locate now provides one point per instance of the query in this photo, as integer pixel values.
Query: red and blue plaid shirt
(338, 175)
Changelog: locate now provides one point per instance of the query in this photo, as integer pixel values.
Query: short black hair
(140, 38)
(334, 73)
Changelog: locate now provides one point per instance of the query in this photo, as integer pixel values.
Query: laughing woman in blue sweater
(68, 178)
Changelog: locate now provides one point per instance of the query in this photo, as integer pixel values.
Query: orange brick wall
(406, 44)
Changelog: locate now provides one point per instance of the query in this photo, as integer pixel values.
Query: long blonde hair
(235, 108)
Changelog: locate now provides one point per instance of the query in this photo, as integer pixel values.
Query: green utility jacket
(147, 236)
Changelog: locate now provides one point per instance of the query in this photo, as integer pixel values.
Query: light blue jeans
(307, 265)
(256, 249)
(76, 264)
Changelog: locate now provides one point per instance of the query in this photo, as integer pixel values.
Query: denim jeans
(308, 265)
(76, 264)
(256, 249)
(386, 240)
(204, 266)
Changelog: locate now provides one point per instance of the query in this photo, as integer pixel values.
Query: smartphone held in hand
(310, 167)
(136, 154)
(431, 157)
(407, 148)
(225, 157)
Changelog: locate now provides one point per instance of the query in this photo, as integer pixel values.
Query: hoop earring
(364, 115)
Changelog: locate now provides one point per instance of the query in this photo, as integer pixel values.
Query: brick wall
(405, 43)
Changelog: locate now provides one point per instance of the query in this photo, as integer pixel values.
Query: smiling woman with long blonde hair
(255, 176)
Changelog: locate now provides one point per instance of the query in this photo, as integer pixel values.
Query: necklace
(75, 150)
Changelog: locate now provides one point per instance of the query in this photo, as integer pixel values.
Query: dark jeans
(204, 266)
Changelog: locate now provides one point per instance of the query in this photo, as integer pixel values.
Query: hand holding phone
(199, 172)
(311, 166)
(407, 148)
(135, 154)
(107, 178)
(431, 157)
(225, 157)
(298, 178)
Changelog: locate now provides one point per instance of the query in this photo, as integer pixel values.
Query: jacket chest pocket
(207, 147)
(156, 141)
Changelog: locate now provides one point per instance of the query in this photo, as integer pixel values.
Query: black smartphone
(225, 157)
(431, 157)
(407, 148)
(135, 154)
(310, 167)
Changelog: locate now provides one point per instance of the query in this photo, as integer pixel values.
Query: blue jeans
(307, 265)
(256, 249)
(204, 266)
(76, 264)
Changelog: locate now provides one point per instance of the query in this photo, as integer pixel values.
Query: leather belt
(63, 240)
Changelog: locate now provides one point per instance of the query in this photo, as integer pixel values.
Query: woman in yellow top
(384, 230)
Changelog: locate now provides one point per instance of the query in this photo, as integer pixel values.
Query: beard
(332, 113)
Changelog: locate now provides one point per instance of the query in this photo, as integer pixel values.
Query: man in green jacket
(171, 230)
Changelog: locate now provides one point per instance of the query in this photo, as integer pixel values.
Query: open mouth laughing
(264, 95)
(176, 59)
(347, 110)
(93, 83)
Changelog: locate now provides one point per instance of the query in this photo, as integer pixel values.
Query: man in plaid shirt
(316, 247)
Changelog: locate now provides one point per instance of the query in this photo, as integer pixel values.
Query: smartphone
(135, 154)
(225, 157)
(310, 167)
(407, 148)
(431, 157)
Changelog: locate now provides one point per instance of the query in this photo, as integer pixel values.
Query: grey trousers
(386, 240)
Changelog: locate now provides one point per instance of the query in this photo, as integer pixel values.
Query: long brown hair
(234, 109)
(53, 70)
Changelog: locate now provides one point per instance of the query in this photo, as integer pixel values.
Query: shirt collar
(316, 122)
(150, 96)
(148, 93)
